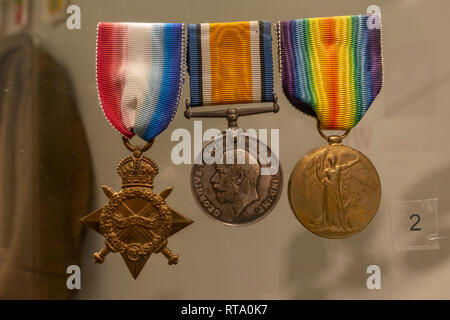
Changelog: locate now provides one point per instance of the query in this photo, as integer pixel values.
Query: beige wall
(405, 134)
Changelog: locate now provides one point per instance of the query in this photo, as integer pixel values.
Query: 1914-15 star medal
(136, 221)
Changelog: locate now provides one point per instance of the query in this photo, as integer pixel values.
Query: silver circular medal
(236, 180)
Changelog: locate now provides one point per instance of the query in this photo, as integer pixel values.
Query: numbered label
(414, 225)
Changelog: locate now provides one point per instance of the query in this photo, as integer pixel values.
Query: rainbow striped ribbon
(333, 65)
(139, 75)
(230, 62)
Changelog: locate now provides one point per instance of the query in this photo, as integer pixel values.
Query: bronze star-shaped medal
(136, 221)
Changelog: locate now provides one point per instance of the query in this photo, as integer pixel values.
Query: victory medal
(136, 221)
(331, 68)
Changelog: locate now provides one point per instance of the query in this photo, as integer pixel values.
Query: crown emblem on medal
(137, 171)
(136, 222)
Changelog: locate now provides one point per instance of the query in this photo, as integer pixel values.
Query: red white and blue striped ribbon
(140, 71)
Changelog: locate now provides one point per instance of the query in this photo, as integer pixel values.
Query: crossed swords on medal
(160, 241)
(179, 221)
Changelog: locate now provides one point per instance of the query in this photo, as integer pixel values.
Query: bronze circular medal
(334, 191)
(237, 192)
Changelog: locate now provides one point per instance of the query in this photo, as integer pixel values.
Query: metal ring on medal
(236, 193)
(334, 191)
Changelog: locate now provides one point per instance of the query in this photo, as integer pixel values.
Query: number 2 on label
(413, 227)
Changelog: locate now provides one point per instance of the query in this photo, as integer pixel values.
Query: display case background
(405, 134)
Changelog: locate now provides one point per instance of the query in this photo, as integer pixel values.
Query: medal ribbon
(333, 65)
(230, 63)
(139, 75)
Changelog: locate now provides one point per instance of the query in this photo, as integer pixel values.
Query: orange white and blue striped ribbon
(230, 63)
